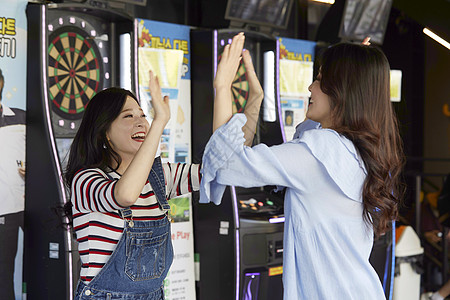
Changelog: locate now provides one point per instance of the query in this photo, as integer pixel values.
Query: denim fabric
(137, 268)
(156, 179)
(139, 264)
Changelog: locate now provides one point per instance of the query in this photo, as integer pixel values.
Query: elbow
(125, 199)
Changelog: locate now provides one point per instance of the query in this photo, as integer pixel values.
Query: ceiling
(434, 14)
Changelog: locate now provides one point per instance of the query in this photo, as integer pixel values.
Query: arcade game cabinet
(74, 52)
(239, 243)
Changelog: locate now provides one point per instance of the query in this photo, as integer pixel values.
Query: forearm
(223, 110)
(130, 185)
(252, 113)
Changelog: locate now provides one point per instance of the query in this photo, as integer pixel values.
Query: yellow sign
(165, 63)
(275, 271)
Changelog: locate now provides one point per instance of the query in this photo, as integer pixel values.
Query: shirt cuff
(224, 143)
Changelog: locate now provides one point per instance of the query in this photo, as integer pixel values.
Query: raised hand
(160, 104)
(255, 98)
(229, 63)
(366, 41)
(226, 71)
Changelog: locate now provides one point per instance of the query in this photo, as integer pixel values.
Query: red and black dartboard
(74, 71)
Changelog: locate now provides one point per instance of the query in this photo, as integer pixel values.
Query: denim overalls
(137, 267)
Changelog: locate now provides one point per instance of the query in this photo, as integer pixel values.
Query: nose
(140, 122)
(310, 86)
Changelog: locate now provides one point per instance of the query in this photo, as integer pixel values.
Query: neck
(123, 165)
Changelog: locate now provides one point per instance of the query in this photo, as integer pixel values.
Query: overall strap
(125, 213)
(157, 181)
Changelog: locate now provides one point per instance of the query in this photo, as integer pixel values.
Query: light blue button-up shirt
(327, 244)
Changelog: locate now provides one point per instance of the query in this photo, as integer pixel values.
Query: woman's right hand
(256, 91)
(160, 104)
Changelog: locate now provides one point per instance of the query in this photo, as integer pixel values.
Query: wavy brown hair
(357, 80)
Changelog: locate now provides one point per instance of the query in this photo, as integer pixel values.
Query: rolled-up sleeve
(297, 164)
(227, 161)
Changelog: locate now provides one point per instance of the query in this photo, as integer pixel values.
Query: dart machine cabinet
(74, 51)
(239, 243)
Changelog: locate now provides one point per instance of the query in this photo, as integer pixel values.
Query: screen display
(273, 13)
(362, 18)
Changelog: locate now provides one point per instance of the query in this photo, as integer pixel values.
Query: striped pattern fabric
(96, 221)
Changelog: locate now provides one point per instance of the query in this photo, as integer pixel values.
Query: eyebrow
(130, 109)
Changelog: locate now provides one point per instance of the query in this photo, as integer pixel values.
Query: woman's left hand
(160, 104)
(229, 63)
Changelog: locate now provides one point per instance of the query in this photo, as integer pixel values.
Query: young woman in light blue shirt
(341, 171)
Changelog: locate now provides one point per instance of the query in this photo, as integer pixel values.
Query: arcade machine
(74, 51)
(239, 244)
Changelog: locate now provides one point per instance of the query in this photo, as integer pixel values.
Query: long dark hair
(90, 147)
(357, 79)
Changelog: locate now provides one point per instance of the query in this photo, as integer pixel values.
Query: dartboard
(74, 71)
(239, 88)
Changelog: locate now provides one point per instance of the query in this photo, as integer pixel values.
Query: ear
(108, 139)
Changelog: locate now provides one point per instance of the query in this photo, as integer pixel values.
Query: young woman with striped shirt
(119, 193)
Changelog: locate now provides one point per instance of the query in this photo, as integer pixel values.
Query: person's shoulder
(89, 172)
(18, 111)
(322, 136)
(340, 158)
(21, 115)
(331, 142)
(14, 116)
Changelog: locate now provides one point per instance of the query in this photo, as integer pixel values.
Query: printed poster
(164, 49)
(396, 85)
(13, 87)
(296, 75)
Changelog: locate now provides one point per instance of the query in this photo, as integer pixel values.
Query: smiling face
(127, 132)
(319, 108)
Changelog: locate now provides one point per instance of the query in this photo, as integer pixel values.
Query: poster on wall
(296, 74)
(13, 70)
(396, 85)
(164, 49)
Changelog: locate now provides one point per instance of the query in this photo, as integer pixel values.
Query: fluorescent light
(437, 38)
(276, 220)
(325, 1)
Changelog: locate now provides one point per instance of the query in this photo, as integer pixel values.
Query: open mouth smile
(138, 136)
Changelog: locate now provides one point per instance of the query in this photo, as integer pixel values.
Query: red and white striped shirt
(96, 221)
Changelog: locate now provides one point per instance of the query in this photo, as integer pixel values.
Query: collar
(6, 111)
